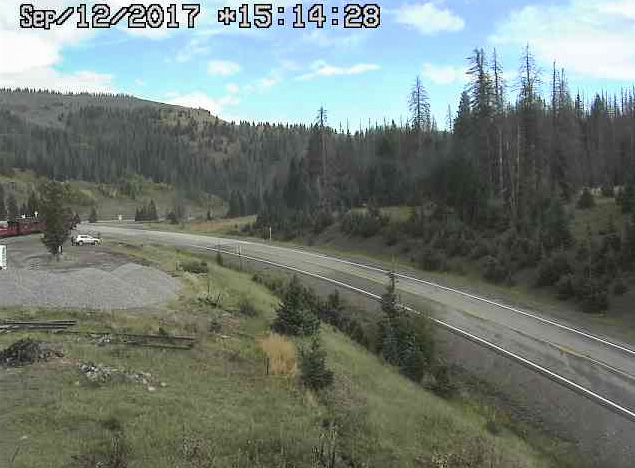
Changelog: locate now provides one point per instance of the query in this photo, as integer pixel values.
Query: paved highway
(600, 365)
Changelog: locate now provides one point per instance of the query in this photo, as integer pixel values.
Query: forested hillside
(498, 187)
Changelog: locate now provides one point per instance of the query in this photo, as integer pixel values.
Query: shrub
(443, 385)
(482, 249)
(315, 374)
(593, 295)
(247, 308)
(608, 191)
(364, 224)
(197, 267)
(620, 288)
(552, 268)
(432, 260)
(494, 270)
(586, 200)
(566, 287)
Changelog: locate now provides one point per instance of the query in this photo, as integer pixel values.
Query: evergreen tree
(12, 207)
(3, 208)
(32, 204)
(152, 212)
(294, 316)
(57, 215)
(419, 106)
(93, 215)
(315, 374)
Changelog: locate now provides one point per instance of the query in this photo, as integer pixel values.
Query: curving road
(598, 364)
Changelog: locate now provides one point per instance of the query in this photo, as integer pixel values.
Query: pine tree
(12, 207)
(419, 106)
(32, 204)
(482, 102)
(315, 374)
(3, 208)
(294, 316)
(93, 215)
(57, 215)
(152, 212)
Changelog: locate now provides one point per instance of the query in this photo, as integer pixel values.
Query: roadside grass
(219, 408)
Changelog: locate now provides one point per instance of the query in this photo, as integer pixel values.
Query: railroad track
(8, 326)
(149, 341)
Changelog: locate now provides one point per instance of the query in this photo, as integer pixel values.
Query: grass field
(219, 408)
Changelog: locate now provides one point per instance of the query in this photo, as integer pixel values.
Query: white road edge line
(614, 407)
(456, 291)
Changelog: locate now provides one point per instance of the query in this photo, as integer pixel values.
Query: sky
(282, 74)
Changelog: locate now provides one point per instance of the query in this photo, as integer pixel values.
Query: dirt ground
(85, 278)
(29, 252)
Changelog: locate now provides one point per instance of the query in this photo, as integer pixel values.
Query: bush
(551, 269)
(247, 308)
(494, 270)
(315, 374)
(586, 200)
(566, 287)
(482, 249)
(432, 259)
(620, 288)
(608, 191)
(443, 385)
(364, 224)
(593, 295)
(197, 267)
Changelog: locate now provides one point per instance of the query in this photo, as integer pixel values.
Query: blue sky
(284, 75)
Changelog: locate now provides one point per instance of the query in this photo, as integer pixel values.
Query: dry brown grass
(281, 353)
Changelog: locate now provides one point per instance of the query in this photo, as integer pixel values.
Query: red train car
(21, 227)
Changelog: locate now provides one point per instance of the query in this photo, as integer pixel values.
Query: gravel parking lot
(86, 278)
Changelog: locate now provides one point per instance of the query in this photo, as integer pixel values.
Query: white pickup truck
(82, 239)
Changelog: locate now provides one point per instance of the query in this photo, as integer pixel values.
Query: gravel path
(127, 287)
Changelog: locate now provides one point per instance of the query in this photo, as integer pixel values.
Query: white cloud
(429, 19)
(222, 68)
(140, 83)
(199, 100)
(443, 74)
(267, 82)
(233, 88)
(321, 69)
(622, 8)
(29, 57)
(326, 38)
(193, 48)
(590, 38)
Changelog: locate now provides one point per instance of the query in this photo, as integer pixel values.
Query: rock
(151, 389)
(163, 384)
